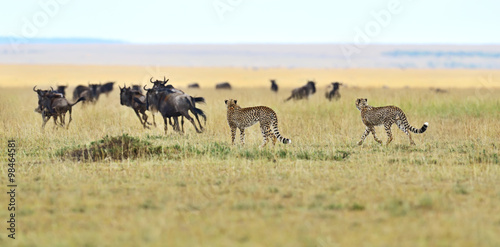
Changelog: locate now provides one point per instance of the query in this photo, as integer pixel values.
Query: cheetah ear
(225, 101)
(366, 100)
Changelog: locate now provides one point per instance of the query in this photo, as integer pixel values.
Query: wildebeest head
(107, 87)
(336, 85)
(124, 95)
(158, 83)
(62, 89)
(95, 91)
(274, 86)
(311, 85)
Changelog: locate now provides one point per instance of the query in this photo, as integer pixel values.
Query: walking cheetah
(385, 115)
(243, 118)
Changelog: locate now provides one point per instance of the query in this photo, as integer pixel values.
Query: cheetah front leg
(365, 134)
(375, 136)
(242, 136)
(233, 134)
(389, 133)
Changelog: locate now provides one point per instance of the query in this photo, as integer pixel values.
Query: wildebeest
(223, 85)
(137, 88)
(171, 102)
(135, 100)
(153, 108)
(158, 83)
(54, 104)
(303, 92)
(107, 87)
(62, 89)
(333, 91)
(274, 86)
(194, 85)
(90, 93)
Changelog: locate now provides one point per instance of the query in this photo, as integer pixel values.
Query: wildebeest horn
(34, 88)
(51, 89)
(151, 80)
(145, 89)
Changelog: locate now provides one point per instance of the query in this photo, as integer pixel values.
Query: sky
(256, 21)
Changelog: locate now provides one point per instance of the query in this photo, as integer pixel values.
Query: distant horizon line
(90, 40)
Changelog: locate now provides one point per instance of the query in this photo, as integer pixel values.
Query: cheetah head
(230, 103)
(361, 103)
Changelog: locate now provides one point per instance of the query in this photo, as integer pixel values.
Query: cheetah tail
(421, 130)
(279, 136)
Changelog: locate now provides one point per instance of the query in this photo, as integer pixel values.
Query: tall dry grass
(322, 190)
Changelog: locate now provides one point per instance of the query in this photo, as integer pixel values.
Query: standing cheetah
(243, 118)
(385, 115)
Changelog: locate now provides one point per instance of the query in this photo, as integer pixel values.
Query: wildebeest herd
(162, 97)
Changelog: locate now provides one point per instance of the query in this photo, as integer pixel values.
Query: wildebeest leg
(186, 114)
(182, 123)
(69, 121)
(197, 119)
(166, 124)
(55, 121)
(62, 118)
(145, 118)
(154, 122)
(45, 119)
(140, 119)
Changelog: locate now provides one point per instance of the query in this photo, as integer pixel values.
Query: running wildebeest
(303, 92)
(158, 83)
(137, 88)
(274, 86)
(153, 108)
(41, 93)
(194, 85)
(62, 89)
(107, 87)
(223, 85)
(333, 91)
(90, 93)
(171, 102)
(136, 101)
(54, 104)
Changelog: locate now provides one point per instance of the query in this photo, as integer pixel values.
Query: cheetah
(243, 118)
(385, 115)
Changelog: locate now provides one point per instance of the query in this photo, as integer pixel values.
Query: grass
(108, 182)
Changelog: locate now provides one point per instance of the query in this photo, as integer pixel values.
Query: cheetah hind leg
(264, 129)
(271, 135)
(403, 128)
(389, 133)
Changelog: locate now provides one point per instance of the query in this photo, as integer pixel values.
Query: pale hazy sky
(257, 21)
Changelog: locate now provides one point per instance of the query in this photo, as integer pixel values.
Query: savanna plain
(142, 187)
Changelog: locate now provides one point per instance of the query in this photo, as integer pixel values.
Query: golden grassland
(50, 75)
(321, 190)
